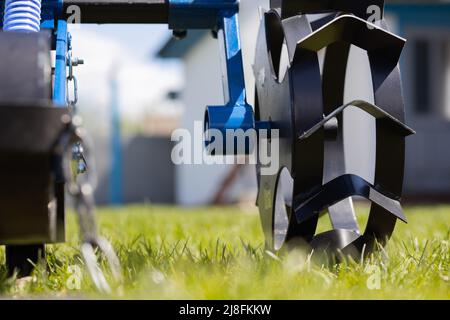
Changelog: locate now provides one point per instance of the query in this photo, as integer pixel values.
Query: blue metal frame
(236, 113)
(50, 10)
(220, 15)
(60, 82)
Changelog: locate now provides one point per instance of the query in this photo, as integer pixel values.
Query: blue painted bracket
(236, 114)
(62, 46)
(61, 43)
(220, 15)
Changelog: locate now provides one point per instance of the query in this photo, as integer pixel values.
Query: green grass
(218, 253)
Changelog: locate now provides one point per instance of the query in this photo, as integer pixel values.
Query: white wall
(196, 184)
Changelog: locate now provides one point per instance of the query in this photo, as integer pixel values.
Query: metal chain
(81, 182)
(81, 187)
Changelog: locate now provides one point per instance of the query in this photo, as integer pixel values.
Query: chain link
(72, 62)
(81, 182)
(81, 188)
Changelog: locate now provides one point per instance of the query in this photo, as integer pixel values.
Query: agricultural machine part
(81, 183)
(307, 107)
(22, 16)
(22, 258)
(219, 16)
(39, 144)
(26, 67)
(32, 202)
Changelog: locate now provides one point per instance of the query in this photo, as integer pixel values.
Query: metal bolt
(179, 34)
(77, 61)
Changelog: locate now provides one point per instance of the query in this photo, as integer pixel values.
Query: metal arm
(120, 11)
(179, 14)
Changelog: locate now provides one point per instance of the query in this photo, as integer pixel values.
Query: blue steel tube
(22, 15)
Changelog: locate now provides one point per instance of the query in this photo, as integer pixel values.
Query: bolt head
(179, 34)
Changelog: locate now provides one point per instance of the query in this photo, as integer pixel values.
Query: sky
(126, 52)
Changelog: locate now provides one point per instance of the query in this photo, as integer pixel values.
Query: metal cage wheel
(306, 105)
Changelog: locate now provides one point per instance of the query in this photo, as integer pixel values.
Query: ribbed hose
(22, 15)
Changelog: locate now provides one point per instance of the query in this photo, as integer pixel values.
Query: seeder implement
(305, 106)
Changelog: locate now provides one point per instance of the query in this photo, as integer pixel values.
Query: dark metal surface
(378, 113)
(32, 202)
(25, 67)
(289, 8)
(120, 11)
(342, 188)
(22, 258)
(199, 14)
(307, 107)
(277, 98)
(31, 207)
(180, 15)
